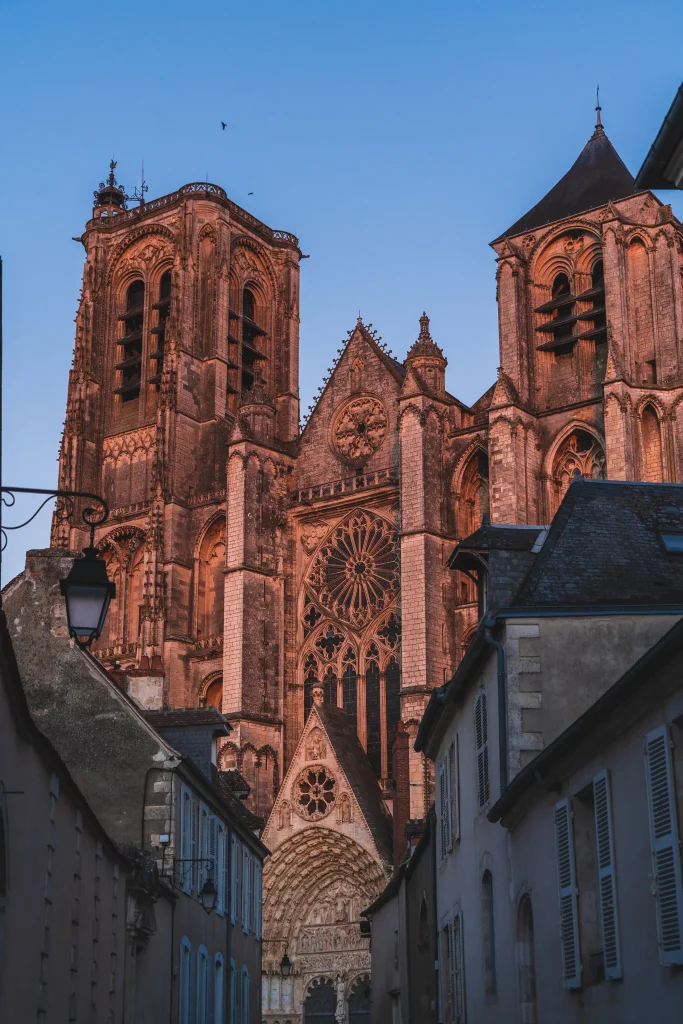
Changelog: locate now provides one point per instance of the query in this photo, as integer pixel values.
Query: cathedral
(295, 576)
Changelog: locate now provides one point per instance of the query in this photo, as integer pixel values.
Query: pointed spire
(425, 345)
(598, 111)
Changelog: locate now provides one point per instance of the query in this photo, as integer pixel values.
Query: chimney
(401, 808)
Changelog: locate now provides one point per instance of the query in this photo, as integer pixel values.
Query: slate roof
(657, 170)
(173, 718)
(341, 731)
(492, 537)
(598, 176)
(604, 548)
(226, 786)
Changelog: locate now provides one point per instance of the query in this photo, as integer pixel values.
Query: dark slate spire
(598, 176)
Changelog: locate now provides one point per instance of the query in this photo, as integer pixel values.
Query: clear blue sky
(395, 139)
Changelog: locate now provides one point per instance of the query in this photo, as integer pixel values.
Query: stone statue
(340, 1012)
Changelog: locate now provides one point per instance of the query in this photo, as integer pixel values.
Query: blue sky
(395, 139)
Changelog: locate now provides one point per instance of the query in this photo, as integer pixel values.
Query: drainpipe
(502, 703)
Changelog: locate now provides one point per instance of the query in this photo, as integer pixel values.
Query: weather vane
(139, 193)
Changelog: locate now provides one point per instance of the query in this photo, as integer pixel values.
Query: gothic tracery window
(580, 453)
(474, 493)
(316, 793)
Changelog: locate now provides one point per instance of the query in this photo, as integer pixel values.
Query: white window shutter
(257, 899)
(607, 882)
(245, 889)
(481, 729)
(459, 1004)
(569, 918)
(194, 815)
(235, 881)
(455, 791)
(666, 852)
(442, 810)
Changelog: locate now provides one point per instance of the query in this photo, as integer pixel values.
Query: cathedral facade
(296, 577)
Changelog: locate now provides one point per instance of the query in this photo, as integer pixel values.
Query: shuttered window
(218, 994)
(203, 854)
(235, 994)
(185, 982)
(257, 899)
(455, 791)
(245, 996)
(187, 837)
(234, 878)
(246, 889)
(218, 839)
(458, 955)
(444, 809)
(666, 851)
(481, 729)
(202, 986)
(607, 883)
(566, 872)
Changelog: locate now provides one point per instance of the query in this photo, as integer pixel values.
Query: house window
(185, 983)
(488, 934)
(481, 729)
(163, 308)
(234, 878)
(526, 964)
(257, 899)
(218, 988)
(129, 351)
(218, 872)
(445, 834)
(245, 996)
(246, 889)
(454, 975)
(566, 875)
(666, 847)
(235, 994)
(204, 851)
(188, 839)
(202, 994)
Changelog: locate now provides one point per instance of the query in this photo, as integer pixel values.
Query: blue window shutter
(566, 872)
(666, 851)
(607, 882)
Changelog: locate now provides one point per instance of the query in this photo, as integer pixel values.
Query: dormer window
(163, 308)
(130, 343)
(673, 543)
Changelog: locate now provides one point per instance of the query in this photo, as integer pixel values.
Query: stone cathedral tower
(298, 578)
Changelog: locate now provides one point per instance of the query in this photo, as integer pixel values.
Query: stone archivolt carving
(315, 793)
(355, 573)
(359, 428)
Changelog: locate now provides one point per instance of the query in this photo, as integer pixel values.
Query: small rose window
(317, 792)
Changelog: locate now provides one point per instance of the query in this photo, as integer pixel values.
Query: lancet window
(163, 309)
(652, 445)
(129, 343)
(246, 342)
(580, 453)
(210, 581)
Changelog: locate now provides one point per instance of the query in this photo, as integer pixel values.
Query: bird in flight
(223, 125)
(250, 193)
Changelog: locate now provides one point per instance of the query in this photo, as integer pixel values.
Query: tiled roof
(341, 731)
(604, 547)
(598, 176)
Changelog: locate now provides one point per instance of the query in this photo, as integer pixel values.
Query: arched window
(163, 308)
(487, 924)
(580, 452)
(526, 969)
(310, 680)
(643, 324)
(598, 317)
(185, 1013)
(210, 581)
(134, 608)
(474, 494)
(246, 1001)
(206, 294)
(373, 717)
(202, 993)
(652, 445)
(218, 988)
(360, 1001)
(129, 344)
(350, 685)
(392, 678)
(214, 694)
(321, 1003)
(330, 687)
(251, 334)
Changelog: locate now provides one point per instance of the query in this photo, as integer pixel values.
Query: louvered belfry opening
(163, 309)
(251, 335)
(130, 343)
(574, 315)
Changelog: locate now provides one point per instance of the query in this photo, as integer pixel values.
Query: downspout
(437, 951)
(502, 703)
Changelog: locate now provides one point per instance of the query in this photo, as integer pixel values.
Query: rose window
(355, 573)
(316, 793)
(360, 428)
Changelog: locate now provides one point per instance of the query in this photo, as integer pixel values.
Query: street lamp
(286, 964)
(208, 895)
(88, 592)
(87, 589)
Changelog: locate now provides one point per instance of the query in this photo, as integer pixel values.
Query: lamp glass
(86, 608)
(285, 966)
(208, 896)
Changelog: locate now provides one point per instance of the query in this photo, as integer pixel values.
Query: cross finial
(112, 166)
(598, 110)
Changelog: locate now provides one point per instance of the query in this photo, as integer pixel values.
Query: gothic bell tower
(189, 305)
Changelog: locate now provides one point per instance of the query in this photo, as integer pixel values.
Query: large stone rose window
(315, 793)
(355, 573)
(360, 428)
